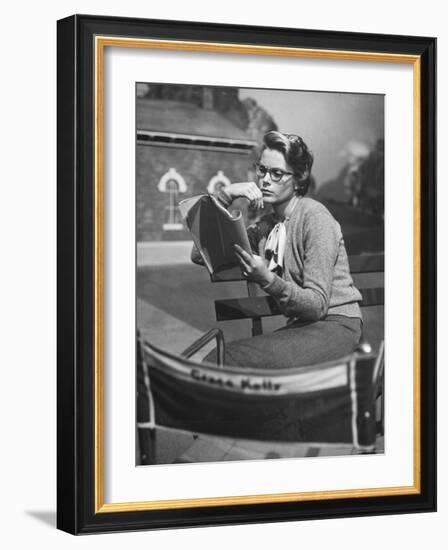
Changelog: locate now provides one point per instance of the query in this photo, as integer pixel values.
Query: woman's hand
(247, 189)
(253, 267)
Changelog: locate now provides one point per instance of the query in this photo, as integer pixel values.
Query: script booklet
(215, 230)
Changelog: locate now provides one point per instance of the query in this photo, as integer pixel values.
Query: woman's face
(276, 193)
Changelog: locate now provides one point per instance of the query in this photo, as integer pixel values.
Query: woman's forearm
(247, 189)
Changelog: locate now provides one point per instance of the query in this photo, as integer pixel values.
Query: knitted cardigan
(316, 279)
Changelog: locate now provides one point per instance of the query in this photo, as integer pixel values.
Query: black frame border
(76, 263)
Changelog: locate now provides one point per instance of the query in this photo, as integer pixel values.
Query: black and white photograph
(259, 273)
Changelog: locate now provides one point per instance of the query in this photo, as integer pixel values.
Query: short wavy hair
(297, 155)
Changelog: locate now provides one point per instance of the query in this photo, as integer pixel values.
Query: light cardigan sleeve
(309, 301)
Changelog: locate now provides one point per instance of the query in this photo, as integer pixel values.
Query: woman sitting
(299, 258)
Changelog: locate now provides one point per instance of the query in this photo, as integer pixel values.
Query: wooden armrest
(265, 306)
(366, 263)
(372, 296)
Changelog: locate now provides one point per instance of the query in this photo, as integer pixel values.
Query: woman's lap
(295, 345)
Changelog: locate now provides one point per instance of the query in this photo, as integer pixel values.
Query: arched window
(172, 183)
(218, 182)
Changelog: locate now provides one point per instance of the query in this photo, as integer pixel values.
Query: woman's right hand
(248, 190)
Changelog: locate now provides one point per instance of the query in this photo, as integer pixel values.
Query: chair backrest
(328, 403)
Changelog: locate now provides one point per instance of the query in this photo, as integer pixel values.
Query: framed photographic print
(246, 274)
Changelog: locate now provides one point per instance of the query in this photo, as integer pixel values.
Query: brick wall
(197, 167)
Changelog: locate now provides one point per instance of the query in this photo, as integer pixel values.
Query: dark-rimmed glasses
(276, 174)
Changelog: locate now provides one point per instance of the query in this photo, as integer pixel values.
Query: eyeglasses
(275, 173)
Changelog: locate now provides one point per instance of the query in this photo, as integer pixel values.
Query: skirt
(297, 344)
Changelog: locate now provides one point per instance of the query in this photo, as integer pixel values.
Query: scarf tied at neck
(274, 248)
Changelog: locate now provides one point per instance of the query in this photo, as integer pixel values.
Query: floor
(174, 447)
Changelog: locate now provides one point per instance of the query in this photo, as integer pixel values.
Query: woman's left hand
(253, 267)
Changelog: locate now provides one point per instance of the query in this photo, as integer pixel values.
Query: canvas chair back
(327, 403)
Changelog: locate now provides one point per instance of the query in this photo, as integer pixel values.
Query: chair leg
(380, 427)
(148, 443)
(257, 323)
(257, 326)
(379, 405)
